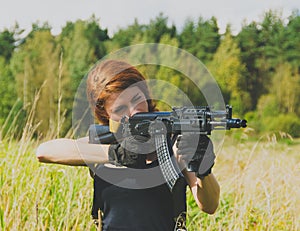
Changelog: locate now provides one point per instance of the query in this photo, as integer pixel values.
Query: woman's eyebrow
(118, 108)
(135, 97)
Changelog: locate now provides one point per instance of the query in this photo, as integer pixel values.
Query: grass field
(260, 189)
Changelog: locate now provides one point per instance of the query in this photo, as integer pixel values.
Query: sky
(116, 14)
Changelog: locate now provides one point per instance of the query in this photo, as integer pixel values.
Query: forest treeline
(258, 69)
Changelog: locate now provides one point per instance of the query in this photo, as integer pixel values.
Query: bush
(289, 123)
(268, 106)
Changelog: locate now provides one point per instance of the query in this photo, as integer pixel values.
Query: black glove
(131, 152)
(198, 152)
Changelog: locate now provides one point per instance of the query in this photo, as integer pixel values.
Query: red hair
(113, 76)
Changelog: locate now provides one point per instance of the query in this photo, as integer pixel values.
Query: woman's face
(127, 103)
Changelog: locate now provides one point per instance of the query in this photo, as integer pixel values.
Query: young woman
(116, 89)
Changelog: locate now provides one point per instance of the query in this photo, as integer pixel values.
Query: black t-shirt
(151, 208)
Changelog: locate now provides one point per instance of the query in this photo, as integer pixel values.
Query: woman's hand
(197, 153)
(132, 151)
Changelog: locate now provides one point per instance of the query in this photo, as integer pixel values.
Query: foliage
(286, 88)
(96, 35)
(7, 90)
(292, 41)
(228, 70)
(278, 110)
(157, 28)
(250, 54)
(257, 69)
(124, 37)
(35, 66)
(9, 40)
(287, 123)
(200, 39)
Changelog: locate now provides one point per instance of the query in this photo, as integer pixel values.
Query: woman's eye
(119, 110)
(136, 98)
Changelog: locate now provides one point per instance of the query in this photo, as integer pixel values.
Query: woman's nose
(133, 110)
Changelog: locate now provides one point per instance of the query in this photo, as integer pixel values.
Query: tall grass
(42, 197)
(260, 188)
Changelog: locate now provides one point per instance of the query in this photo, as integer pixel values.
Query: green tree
(8, 91)
(291, 44)
(78, 55)
(35, 67)
(7, 45)
(175, 89)
(286, 88)
(187, 37)
(125, 36)
(82, 45)
(96, 36)
(279, 109)
(228, 70)
(263, 46)
(248, 40)
(157, 28)
(9, 39)
(208, 39)
(271, 38)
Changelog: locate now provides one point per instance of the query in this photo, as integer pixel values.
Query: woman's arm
(206, 192)
(72, 152)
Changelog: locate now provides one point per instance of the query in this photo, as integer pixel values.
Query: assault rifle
(164, 127)
(200, 120)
